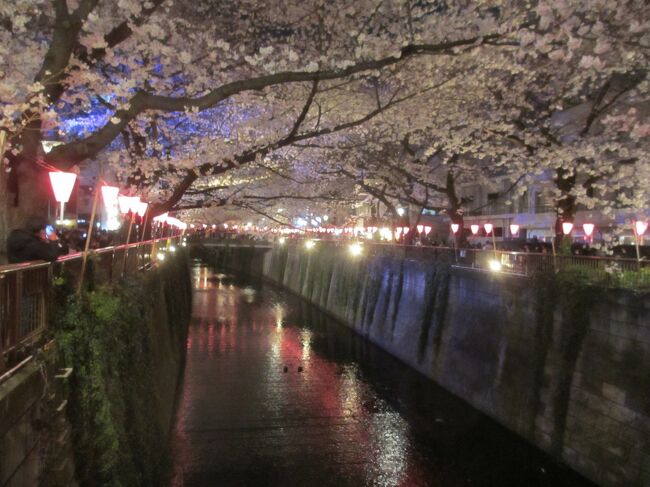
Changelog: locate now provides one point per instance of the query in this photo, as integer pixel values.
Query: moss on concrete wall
(126, 346)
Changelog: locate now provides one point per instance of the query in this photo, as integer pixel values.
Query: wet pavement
(277, 394)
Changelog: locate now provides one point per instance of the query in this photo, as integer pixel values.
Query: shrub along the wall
(107, 336)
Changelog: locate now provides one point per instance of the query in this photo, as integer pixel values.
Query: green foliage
(107, 336)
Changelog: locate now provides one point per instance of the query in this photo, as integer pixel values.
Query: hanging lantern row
(63, 183)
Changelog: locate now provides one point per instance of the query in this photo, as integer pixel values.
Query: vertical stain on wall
(398, 284)
(437, 293)
(544, 311)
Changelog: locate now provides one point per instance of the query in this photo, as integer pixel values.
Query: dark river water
(276, 393)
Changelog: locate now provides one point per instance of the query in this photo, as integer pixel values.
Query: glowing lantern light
(310, 244)
(109, 195)
(62, 184)
(640, 227)
(141, 208)
(454, 228)
(124, 203)
(427, 229)
(588, 229)
(474, 228)
(514, 229)
(488, 227)
(162, 218)
(398, 231)
(405, 230)
(567, 227)
(420, 228)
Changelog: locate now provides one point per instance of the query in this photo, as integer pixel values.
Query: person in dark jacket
(34, 243)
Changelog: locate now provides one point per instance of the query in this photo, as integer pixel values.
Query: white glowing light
(495, 265)
(355, 249)
(310, 244)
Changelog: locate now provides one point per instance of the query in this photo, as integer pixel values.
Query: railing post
(14, 311)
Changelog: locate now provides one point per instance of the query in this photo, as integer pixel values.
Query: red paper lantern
(62, 184)
(110, 195)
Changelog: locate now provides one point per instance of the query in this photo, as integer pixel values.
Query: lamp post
(62, 184)
(588, 228)
(141, 210)
(489, 229)
(454, 229)
(567, 227)
(514, 229)
(639, 228)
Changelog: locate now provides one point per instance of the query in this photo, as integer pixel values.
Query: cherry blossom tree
(170, 97)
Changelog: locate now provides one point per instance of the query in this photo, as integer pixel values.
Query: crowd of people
(38, 240)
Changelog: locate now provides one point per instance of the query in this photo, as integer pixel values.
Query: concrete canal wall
(107, 421)
(564, 365)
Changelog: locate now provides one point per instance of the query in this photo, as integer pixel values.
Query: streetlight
(489, 229)
(514, 229)
(474, 228)
(355, 249)
(62, 184)
(588, 228)
(639, 228)
(310, 244)
(454, 228)
(567, 227)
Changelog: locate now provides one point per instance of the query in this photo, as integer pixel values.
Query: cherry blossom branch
(66, 155)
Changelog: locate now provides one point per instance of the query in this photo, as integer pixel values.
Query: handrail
(25, 290)
(392, 245)
(34, 264)
(615, 271)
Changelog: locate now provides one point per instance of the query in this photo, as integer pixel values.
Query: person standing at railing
(37, 241)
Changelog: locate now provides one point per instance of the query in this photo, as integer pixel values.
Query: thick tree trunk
(28, 196)
(456, 216)
(565, 205)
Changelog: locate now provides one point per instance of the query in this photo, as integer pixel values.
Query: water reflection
(275, 393)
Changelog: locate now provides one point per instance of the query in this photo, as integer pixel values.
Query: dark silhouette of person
(34, 243)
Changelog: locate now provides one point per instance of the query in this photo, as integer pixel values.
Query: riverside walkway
(275, 393)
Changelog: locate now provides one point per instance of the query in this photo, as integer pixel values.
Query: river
(276, 393)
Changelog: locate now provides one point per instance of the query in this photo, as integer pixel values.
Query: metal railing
(611, 271)
(25, 290)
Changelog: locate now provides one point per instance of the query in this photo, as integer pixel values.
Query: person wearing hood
(34, 242)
